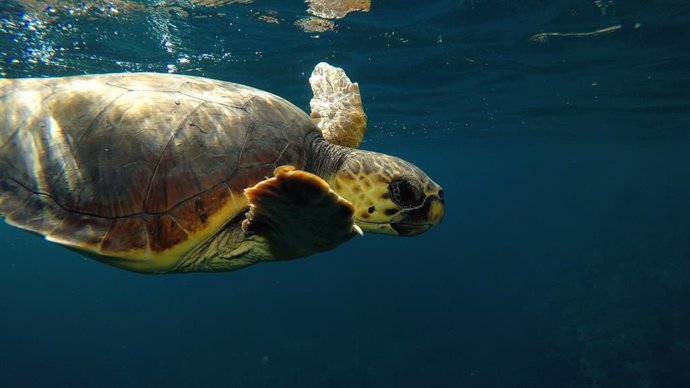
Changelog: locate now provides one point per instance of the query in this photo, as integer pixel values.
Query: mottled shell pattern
(138, 167)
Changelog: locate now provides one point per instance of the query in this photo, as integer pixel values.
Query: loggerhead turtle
(161, 173)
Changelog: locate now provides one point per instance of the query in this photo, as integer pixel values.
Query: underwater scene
(542, 240)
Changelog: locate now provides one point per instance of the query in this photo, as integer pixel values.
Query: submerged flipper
(298, 214)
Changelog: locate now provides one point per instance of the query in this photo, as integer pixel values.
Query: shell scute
(78, 230)
(164, 233)
(195, 214)
(38, 214)
(125, 235)
(202, 153)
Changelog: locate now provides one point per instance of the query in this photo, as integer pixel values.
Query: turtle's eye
(404, 194)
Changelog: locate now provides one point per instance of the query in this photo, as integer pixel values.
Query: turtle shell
(136, 169)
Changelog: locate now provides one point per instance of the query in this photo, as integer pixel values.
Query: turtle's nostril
(440, 194)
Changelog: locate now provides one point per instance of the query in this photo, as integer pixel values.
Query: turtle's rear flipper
(298, 214)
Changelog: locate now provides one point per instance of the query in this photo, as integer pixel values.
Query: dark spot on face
(203, 217)
(371, 209)
(385, 196)
(390, 212)
(364, 215)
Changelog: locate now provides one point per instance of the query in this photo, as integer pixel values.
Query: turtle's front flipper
(336, 107)
(298, 214)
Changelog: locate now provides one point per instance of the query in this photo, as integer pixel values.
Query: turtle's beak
(416, 221)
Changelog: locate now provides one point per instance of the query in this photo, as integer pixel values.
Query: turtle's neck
(325, 159)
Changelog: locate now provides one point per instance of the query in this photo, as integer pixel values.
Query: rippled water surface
(559, 130)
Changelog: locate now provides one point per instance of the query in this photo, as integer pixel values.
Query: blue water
(563, 259)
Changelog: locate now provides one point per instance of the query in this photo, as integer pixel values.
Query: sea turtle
(161, 173)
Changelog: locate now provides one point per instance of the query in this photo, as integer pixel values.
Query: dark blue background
(563, 260)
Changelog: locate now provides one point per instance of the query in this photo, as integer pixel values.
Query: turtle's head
(390, 195)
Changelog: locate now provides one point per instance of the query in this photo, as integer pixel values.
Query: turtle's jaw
(405, 230)
(411, 222)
